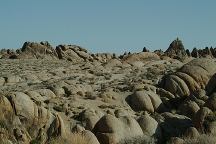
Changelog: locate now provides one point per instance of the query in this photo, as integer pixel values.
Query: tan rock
(142, 56)
(149, 125)
(2, 81)
(140, 101)
(145, 101)
(90, 137)
(191, 77)
(110, 129)
(90, 117)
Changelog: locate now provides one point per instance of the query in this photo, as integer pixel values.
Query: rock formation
(191, 77)
(37, 50)
(176, 50)
(69, 95)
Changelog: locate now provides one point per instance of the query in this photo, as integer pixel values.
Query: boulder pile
(69, 95)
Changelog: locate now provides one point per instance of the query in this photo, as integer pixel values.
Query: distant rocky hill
(176, 50)
(43, 50)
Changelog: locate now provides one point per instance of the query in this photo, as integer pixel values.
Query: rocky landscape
(68, 95)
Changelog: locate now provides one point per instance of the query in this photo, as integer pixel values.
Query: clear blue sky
(108, 25)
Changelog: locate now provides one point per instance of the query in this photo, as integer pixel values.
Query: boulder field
(68, 95)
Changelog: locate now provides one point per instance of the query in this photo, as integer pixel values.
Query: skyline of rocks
(175, 50)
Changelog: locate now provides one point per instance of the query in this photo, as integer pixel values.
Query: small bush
(202, 139)
(139, 140)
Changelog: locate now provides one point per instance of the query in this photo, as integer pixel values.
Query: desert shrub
(202, 139)
(139, 140)
(2, 141)
(34, 142)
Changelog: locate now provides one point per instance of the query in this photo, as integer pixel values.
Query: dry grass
(202, 139)
(74, 138)
(5, 141)
(140, 140)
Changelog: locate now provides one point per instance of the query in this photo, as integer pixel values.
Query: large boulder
(112, 130)
(67, 52)
(90, 117)
(33, 120)
(191, 77)
(149, 125)
(73, 53)
(145, 101)
(42, 50)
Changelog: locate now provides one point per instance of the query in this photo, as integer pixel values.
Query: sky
(109, 25)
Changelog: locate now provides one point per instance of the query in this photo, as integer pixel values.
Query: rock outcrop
(29, 121)
(145, 101)
(149, 126)
(7, 54)
(73, 53)
(193, 76)
(42, 50)
(112, 130)
(176, 50)
(203, 53)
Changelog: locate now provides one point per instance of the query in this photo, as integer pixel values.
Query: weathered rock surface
(42, 50)
(193, 76)
(176, 50)
(73, 53)
(110, 129)
(149, 126)
(188, 108)
(145, 101)
(142, 57)
(200, 117)
(28, 120)
(174, 125)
